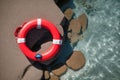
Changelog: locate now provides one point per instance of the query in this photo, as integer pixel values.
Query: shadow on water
(64, 4)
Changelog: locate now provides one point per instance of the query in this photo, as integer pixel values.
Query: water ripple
(101, 43)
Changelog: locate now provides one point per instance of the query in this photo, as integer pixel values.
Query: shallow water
(101, 43)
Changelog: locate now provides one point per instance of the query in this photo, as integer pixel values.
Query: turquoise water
(101, 43)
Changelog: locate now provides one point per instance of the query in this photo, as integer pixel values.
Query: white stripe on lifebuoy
(56, 41)
(20, 40)
(38, 23)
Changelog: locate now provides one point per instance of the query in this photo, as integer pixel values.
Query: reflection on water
(101, 43)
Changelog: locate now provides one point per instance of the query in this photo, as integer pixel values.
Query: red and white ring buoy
(39, 23)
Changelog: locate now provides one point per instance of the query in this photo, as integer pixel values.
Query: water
(101, 43)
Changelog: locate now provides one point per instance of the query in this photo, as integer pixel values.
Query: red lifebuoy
(39, 23)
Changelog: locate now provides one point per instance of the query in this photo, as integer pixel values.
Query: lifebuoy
(39, 23)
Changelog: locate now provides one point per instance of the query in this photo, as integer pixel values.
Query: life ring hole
(39, 40)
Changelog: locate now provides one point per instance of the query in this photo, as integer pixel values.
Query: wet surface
(101, 43)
